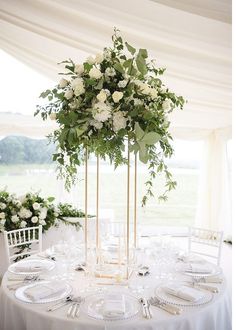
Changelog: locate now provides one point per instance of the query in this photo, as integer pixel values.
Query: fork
(22, 283)
(168, 308)
(73, 310)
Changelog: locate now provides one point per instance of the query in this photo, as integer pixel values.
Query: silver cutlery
(154, 301)
(198, 285)
(145, 308)
(60, 304)
(23, 282)
(74, 308)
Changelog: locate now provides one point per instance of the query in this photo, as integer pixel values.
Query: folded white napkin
(191, 258)
(184, 292)
(44, 290)
(114, 305)
(193, 268)
(29, 267)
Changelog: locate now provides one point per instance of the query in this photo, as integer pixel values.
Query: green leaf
(143, 52)
(134, 148)
(143, 155)
(138, 131)
(131, 49)
(51, 199)
(151, 138)
(119, 67)
(141, 65)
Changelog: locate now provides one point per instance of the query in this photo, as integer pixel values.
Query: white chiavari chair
(15, 239)
(206, 243)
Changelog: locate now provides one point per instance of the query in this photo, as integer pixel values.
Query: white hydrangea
(96, 124)
(117, 96)
(78, 86)
(107, 92)
(119, 121)
(34, 219)
(102, 112)
(79, 69)
(138, 102)
(95, 73)
(15, 218)
(2, 215)
(99, 58)
(69, 94)
(43, 213)
(122, 83)
(53, 116)
(24, 213)
(2, 206)
(42, 222)
(63, 83)
(110, 72)
(166, 105)
(36, 206)
(102, 96)
(90, 60)
(23, 224)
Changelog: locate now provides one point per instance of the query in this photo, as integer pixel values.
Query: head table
(18, 315)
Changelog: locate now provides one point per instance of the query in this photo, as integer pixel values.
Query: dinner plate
(40, 266)
(213, 270)
(93, 306)
(20, 294)
(170, 299)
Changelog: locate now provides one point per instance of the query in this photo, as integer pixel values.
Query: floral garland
(108, 101)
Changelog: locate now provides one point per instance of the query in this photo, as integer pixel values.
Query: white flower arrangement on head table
(114, 97)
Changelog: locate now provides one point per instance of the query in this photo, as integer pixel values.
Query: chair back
(199, 239)
(18, 238)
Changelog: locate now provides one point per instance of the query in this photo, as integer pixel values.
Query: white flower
(107, 54)
(79, 69)
(34, 219)
(42, 222)
(117, 96)
(153, 93)
(90, 60)
(53, 116)
(2, 215)
(63, 83)
(119, 121)
(2, 221)
(22, 198)
(36, 206)
(137, 102)
(56, 214)
(15, 218)
(43, 213)
(110, 72)
(18, 202)
(69, 94)
(2, 206)
(96, 124)
(102, 113)
(163, 90)
(122, 83)
(99, 58)
(78, 86)
(102, 96)
(24, 213)
(79, 90)
(107, 92)
(166, 105)
(95, 73)
(23, 224)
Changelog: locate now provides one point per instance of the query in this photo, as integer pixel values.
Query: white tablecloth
(17, 315)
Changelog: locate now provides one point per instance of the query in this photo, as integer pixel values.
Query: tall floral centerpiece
(110, 103)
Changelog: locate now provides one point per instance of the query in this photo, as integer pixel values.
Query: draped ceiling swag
(195, 48)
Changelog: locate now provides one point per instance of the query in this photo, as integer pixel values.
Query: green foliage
(108, 102)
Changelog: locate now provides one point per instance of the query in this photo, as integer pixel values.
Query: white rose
(36, 206)
(18, 203)
(77, 82)
(2, 206)
(99, 58)
(42, 222)
(79, 68)
(2, 221)
(28, 214)
(63, 83)
(43, 213)
(2, 215)
(96, 124)
(117, 96)
(153, 93)
(23, 224)
(24, 213)
(166, 105)
(110, 72)
(102, 96)
(53, 116)
(107, 92)
(90, 60)
(15, 218)
(119, 121)
(79, 90)
(122, 83)
(34, 219)
(69, 94)
(95, 73)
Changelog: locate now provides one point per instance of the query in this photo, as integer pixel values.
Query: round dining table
(16, 314)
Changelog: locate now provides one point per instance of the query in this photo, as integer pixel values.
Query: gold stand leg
(86, 207)
(128, 214)
(135, 201)
(97, 216)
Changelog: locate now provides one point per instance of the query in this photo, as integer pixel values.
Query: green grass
(179, 210)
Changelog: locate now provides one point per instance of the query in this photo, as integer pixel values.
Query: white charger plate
(173, 300)
(20, 294)
(214, 270)
(44, 265)
(93, 307)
